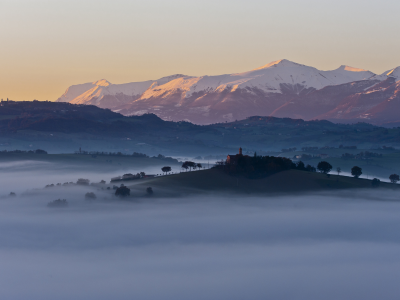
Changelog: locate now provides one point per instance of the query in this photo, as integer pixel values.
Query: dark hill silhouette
(24, 120)
(285, 182)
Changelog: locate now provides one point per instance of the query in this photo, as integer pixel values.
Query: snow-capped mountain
(107, 95)
(282, 88)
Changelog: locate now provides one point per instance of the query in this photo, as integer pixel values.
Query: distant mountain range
(62, 127)
(280, 89)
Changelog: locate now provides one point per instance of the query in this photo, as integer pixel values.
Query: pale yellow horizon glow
(48, 45)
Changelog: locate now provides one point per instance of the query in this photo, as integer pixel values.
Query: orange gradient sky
(47, 46)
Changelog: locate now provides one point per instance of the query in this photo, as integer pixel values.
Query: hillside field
(285, 182)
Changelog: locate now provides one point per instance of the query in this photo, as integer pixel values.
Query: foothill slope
(285, 182)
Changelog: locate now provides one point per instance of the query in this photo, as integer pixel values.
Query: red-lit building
(232, 159)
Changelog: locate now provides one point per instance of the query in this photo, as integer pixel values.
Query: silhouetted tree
(324, 167)
(300, 166)
(40, 151)
(90, 196)
(185, 166)
(58, 203)
(189, 164)
(166, 169)
(142, 174)
(82, 181)
(394, 178)
(199, 166)
(375, 182)
(356, 171)
(310, 168)
(338, 170)
(122, 191)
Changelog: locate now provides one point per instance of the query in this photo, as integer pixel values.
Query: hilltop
(285, 182)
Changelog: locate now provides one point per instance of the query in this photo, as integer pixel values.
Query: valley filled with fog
(330, 245)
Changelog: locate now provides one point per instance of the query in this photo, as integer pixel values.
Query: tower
(240, 151)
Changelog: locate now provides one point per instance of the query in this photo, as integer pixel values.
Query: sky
(48, 45)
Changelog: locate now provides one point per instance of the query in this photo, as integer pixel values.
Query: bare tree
(338, 170)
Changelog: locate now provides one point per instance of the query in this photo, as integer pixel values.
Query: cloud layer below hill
(305, 247)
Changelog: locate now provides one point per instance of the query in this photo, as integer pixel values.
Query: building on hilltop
(233, 159)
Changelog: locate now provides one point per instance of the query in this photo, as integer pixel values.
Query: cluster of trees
(191, 165)
(82, 181)
(90, 196)
(314, 148)
(166, 169)
(375, 182)
(167, 158)
(361, 155)
(347, 147)
(129, 176)
(94, 154)
(58, 203)
(102, 153)
(37, 151)
(122, 191)
(305, 149)
(325, 167)
(307, 156)
(394, 178)
(149, 191)
(262, 166)
(386, 148)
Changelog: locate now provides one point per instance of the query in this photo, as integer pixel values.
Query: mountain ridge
(268, 90)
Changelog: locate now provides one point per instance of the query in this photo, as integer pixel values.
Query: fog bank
(302, 247)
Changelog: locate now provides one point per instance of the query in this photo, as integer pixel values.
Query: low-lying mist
(318, 246)
(19, 176)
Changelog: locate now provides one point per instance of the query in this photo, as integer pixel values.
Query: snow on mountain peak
(279, 63)
(393, 73)
(101, 82)
(351, 69)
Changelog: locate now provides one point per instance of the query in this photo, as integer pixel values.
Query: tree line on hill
(261, 166)
(356, 172)
(94, 154)
(191, 165)
(361, 155)
(37, 151)
(308, 149)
